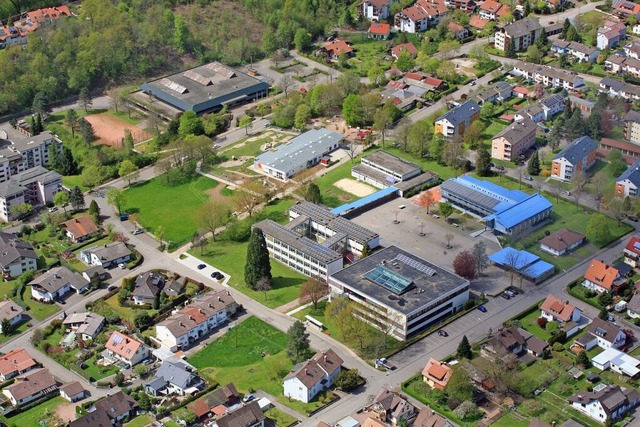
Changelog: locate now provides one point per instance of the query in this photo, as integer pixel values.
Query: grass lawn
(127, 313)
(173, 207)
(332, 196)
(141, 421)
(369, 53)
(134, 120)
(171, 423)
(71, 181)
(511, 420)
(34, 416)
(280, 418)
(529, 323)
(36, 310)
(250, 146)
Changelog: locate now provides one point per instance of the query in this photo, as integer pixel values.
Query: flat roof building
(302, 152)
(526, 264)
(206, 88)
(505, 211)
(400, 291)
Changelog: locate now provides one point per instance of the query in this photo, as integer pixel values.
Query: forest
(123, 42)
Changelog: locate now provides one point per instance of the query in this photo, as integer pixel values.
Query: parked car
(201, 266)
(436, 216)
(482, 308)
(384, 362)
(122, 266)
(505, 296)
(442, 333)
(633, 218)
(217, 275)
(138, 231)
(112, 288)
(401, 207)
(53, 209)
(124, 217)
(500, 167)
(527, 178)
(566, 193)
(248, 398)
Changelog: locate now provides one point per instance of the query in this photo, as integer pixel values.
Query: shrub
(558, 347)
(453, 403)
(542, 322)
(467, 411)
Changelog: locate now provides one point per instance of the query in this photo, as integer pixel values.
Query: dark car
(443, 333)
(112, 288)
(201, 266)
(633, 218)
(500, 167)
(482, 308)
(217, 275)
(505, 296)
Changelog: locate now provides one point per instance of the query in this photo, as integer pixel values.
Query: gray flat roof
(20, 142)
(334, 222)
(429, 282)
(303, 244)
(391, 162)
(459, 190)
(299, 150)
(38, 173)
(205, 87)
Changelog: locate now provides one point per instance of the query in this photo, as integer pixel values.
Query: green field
(280, 418)
(140, 421)
(33, 416)
(36, 310)
(173, 207)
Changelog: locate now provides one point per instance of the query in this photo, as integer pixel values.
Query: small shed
(73, 391)
(264, 403)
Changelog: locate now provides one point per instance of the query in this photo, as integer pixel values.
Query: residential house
(409, 47)
(12, 312)
(555, 5)
(85, 325)
(436, 374)
(106, 256)
(618, 362)
(16, 256)
(602, 334)
(420, 16)
(459, 32)
(30, 386)
(566, 315)
(617, 88)
(148, 287)
(308, 379)
(521, 92)
(522, 34)
(220, 401)
(430, 418)
(579, 155)
(375, 10)
(632, 50)
(617, 64)
(492, 10)
(118, 406)
(92, 271)
(625, 9)
(336, 48)
(12, 36)
(121, 347)
(15, 363)
(514, 140)
(45, 16)
(513, 341)
(547, 76)
(633, 306)
(601, 277)
(543, 110)
(478, 23)
(92, 419)
(455, 121)
(56, 283)
(631, 252)
(80, 228)
(584, 105)
(465, 5)
(632, 127)
(174, 378)
(636, 29)
(498, 92)
(610, 35)
(196, 320)
(379, 31)
(249, 415)
(607, 404)
(73, 392)
(390, 407)
(578, 51)
(630, 152)
(561, 242)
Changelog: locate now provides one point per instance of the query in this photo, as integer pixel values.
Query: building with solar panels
(505, 211)
(315, 242)
(398, 292)
(206, 88)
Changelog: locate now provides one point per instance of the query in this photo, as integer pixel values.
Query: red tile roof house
(555, 310)
(124, 348)
(562, 242)
(631, 252)
(458, 30)
(336, 48)
(80, 228)
(437, 374)
(601, 277)
(14, 363)
(409, 47)
(31, 386)
(379, 31)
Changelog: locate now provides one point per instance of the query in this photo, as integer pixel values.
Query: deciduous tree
(314, 289)
(427, 200)
(466, 265)
(479, 252)
(246, 197)
(445, 209)
(61, 199)
(212, 216)
(116, 198)
(129, 171)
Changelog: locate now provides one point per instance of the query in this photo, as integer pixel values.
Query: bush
(558, 347)
(348, 379)
(533, 407)
(542, 322)
(467, 411)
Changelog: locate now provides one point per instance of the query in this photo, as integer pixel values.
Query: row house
(548, 76)
(542, 110)
(579, 51)
(632, 127)
(196, 320)
(499, 92)
(420, 16)
(616, 88)
(464, 5)
(617, 64)
(632, 50)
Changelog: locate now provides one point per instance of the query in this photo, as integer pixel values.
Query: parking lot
(205, 273)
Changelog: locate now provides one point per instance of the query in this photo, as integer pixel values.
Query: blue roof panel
(537, 269)
(509, 255)
(514, 215)
(364, 201)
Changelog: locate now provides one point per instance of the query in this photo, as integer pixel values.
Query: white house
(601, 277)
(124, 348)
(313, 376)
(16, 256)
(72, 391)
(30, 386)
(11, 311)
(57, 282)
(631, 252)
(555, 310)
(375, 10)
(610, 35)
(420, 16)
(561, 242)
(608, 403)
(603, 334)
(174, 378)
(196, 320)
(106, 256)
(618, 362)
(85, 325)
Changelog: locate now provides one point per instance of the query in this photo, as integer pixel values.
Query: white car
(122, 266)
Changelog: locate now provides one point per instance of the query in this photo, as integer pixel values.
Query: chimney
(219, 299)
(201, 311)
(191, 318)
(306, 371)
(553, 424)
(180, 323)
(228, 293)
(210, 306)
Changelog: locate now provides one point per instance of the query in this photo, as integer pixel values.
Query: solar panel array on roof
(416, 264)
(389, 280)
(637, 245)
(117, 339)
(197, 77)
(173, 86)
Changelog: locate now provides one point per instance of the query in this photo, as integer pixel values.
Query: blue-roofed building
(505, 211)
(580, 154)
(526, 264)
(628, 183)
(302, 152)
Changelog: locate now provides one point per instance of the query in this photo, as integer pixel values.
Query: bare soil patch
(67, 412)
(110, 130)
(354, 187)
